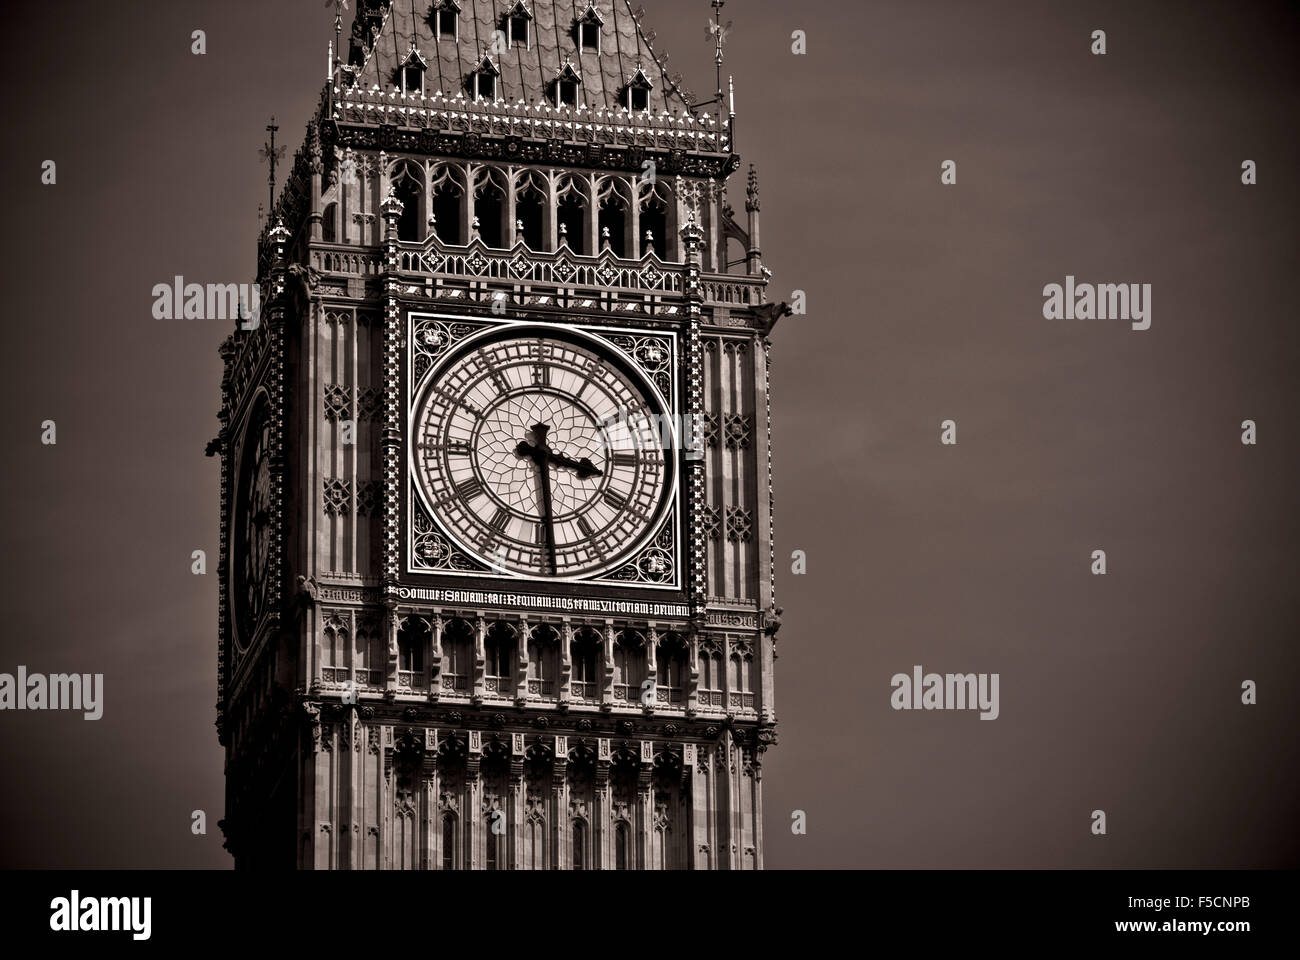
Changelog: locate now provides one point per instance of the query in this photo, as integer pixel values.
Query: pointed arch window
(410, 75)
(444, 17)
(564, 88)
(329, 221)
(571, 214)
(587, 30)
(500, 650)
(622, 845)
(542, 668)
(448, 842)
(457, 655)
(408, 188)
(410, 645)
(670, 658)
(636, 92)
(710, 672)
(483, 81)
(585, 659)
(493, 849)
(446, 204)
(579, 845)
(518, 24)
(629, 665)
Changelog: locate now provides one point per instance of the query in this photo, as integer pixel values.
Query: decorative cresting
(559, 128)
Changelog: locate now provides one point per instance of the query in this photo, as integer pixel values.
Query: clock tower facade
(497, 564)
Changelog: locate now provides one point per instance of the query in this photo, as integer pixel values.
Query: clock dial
(541, 456)
(252, 522)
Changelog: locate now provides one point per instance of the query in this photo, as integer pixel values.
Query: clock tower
(496, 524)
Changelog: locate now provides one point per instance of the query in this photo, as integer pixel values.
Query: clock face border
(246, 624)
(661, 538)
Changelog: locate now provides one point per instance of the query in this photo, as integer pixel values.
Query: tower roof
(386, 32)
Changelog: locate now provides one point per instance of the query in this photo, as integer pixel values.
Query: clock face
(541, 454)
(251, 543)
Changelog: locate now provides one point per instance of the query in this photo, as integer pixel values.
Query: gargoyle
(769, 313)
(306, 274)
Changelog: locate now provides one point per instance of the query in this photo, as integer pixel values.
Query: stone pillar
(600, 815)
(316, 169)
(607, 685)
(480, 659)
(558, 839)
(472, 815)
(431, 822)
(645, 808)
(517, 805)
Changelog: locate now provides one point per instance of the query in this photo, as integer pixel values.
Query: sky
(1120, 693)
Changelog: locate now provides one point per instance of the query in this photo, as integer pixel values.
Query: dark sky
(925, 301)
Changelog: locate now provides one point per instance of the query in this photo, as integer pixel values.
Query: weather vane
(272, 153)
(718, 33)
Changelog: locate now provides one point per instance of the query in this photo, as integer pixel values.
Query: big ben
(497, 585)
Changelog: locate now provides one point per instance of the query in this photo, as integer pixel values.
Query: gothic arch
(500, 646)
(614, 203)
(629, 665)
(533, 214)
(406, 179)
(657, 220)
(447, 202)
(573, 213)
(671, 662)
(490, 192)
(543, 660)
(456, 667)
(586, 655)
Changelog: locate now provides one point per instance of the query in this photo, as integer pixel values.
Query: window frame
(447, 11)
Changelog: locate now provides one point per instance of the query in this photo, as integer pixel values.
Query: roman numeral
(541, 374)
(499, 520)
(615, 499)
(469, 489)
(592, 373)
(585, 527)
(623, 459)
(495, 373)
(458, 448)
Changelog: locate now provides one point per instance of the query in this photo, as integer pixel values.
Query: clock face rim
(590, 339)
(246, 621)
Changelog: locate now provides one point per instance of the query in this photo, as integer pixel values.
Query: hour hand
(584, 468)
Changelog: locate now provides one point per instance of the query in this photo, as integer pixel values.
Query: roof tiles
(526, 72)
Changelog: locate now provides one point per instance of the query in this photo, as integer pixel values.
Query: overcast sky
(1119, 693)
